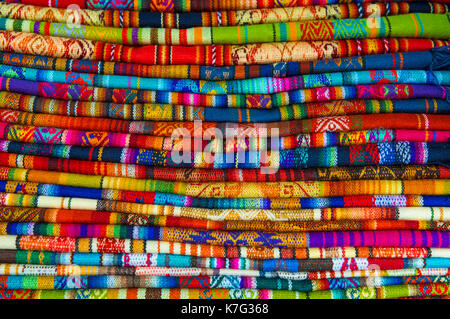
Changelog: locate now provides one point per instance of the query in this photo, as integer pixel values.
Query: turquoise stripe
(421, 24)
(382, 30)
(282, 29)
(245, 34)
(3, 23)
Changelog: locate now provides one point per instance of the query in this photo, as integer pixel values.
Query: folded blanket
(179, 5)
(157, 198)
(127, 18)
(201, 282)
(384, 292)
(51, 135)
(168, 112)
(295, 189)
(380, 238)
(432, 59)
(216, 55)
(395, 153)
(417, 25)
(50, 165)
(266, 85)
(115, 246)
(261, 101)
(406, 213)
(67, 216)
(194, 235)
(24, 262)
(198, 129)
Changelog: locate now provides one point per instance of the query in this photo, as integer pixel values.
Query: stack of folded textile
(224, 149)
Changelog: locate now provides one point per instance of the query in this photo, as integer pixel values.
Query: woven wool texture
(224, 149)
(431, 26)
(398, 61)
(213, 55)
(126, 18)
(168, 112)
(179, 5)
